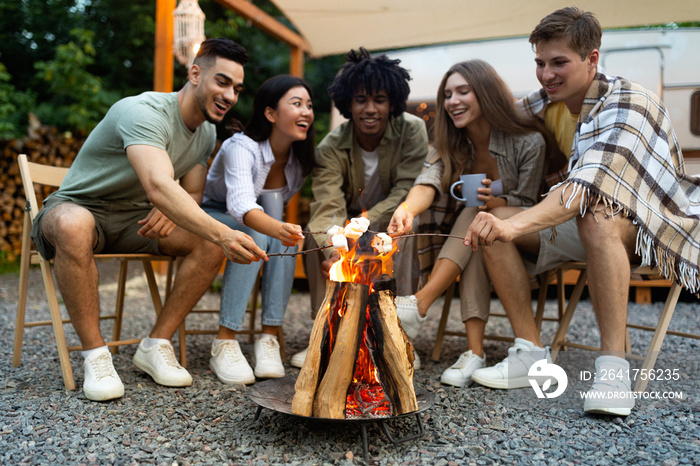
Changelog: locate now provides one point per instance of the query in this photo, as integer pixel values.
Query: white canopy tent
(336, 26)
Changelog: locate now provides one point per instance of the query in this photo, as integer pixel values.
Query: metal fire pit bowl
(277, 395)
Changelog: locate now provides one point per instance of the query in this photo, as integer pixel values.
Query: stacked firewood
(47, 146)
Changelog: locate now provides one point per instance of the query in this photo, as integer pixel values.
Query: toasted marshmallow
(340, 242)
(382, 243)
(351, 232)
(362, 221)
(356, 228)
(332, 231)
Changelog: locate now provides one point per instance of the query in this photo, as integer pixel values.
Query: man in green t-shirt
(121, 195)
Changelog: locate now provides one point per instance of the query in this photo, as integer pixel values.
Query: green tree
(14, 106)
(125, 41)
(30, 30)
(119, 57)
(78, 99)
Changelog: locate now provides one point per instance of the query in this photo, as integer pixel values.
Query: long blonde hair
(496, 102)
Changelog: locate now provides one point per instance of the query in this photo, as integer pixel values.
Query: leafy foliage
(14, 105)
(76, 57)
(78, 100)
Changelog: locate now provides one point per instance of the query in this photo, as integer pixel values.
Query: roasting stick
(330, 245)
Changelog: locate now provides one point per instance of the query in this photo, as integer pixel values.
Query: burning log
(329, 401)
(359, 362)
(391, 351)
(310, 373)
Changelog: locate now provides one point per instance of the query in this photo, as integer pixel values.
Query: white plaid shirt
(238, 173)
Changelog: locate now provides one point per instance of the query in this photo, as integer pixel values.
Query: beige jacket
(338, 174)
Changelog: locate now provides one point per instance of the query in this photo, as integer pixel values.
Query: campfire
(360, 363)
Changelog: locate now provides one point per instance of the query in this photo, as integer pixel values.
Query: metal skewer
(330, 245)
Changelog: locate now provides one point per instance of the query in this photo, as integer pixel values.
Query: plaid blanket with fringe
(625, 155)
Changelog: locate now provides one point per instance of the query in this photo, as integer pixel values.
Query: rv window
(695, 113)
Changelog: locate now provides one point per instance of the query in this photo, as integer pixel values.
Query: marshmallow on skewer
(340, 242)
(356, 228)
(382, 243)
(332, 231)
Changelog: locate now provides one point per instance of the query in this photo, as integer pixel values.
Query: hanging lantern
(189, 31)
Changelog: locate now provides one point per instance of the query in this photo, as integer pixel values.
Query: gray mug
(470, 184)
(272, 203)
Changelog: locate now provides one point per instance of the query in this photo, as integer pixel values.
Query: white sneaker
(407, 310)
(268, 362)
(299, 358)
(101, 382)
(460, 373)
(416, 361)
(160, 363)
(229, 364)
(512, 371)
(611, 392)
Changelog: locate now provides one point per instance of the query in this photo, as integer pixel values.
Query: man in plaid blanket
(626, 199)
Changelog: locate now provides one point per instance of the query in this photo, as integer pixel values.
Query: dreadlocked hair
(362, 72)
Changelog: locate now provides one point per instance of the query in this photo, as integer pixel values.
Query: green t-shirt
(102, 172)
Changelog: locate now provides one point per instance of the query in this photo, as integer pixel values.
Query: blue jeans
(239, 279)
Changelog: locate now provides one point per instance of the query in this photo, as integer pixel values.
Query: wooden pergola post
(163, 62)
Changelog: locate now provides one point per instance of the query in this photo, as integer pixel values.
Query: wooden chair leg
(542, 298)
(658, 338)
(437, 348)
(169, 278)
(153, 286)
(182, 341)
(561, 300)
(628, 343)
(57, 324)
(22, 297)
(119, 307)
(182, 330)
(560, 336)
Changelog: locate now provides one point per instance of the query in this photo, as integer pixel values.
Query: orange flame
(362, 265)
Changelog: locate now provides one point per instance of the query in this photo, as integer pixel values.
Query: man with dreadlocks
(365, 166)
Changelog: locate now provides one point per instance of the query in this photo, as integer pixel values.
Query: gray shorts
(567, 246)
(115, 225)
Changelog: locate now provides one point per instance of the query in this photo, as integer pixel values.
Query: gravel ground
(210, 423)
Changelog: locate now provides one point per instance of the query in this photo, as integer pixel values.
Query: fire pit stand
(277, 395)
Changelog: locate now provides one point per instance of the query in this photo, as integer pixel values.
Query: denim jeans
(239, 279)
